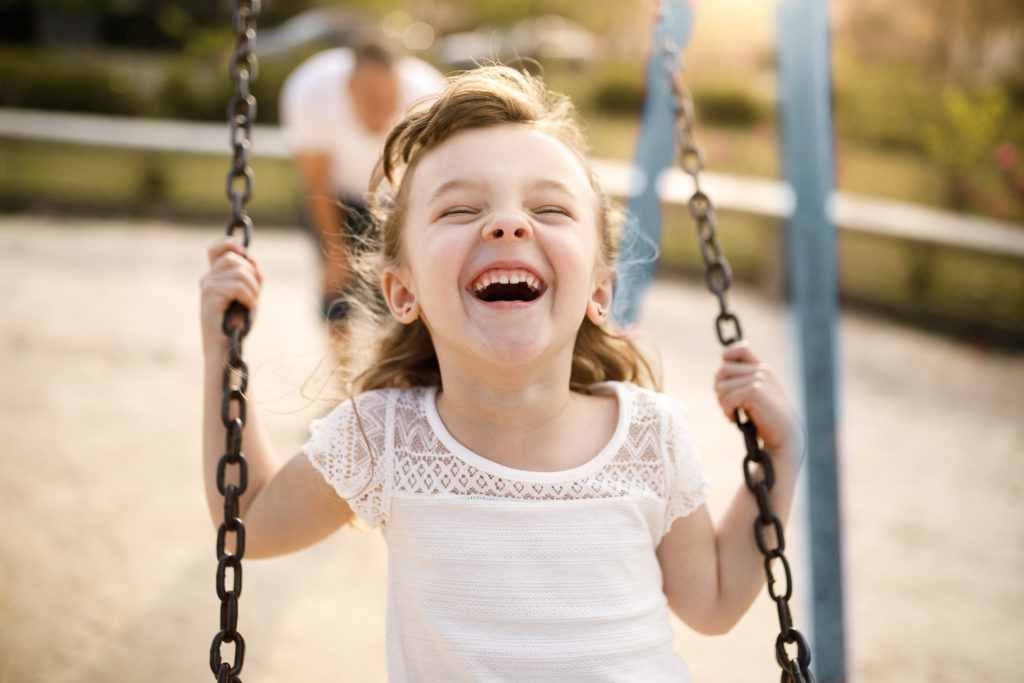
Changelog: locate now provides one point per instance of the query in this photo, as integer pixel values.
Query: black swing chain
(237, 322)
(718, 278)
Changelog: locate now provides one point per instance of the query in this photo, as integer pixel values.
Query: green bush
(724, 106)
(192, 88)
(267, 87)
(882, 105)
(618, 89)
(66, 84)
(203, 93)
(191, 93)
(962, 139)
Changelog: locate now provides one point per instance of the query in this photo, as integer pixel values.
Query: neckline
(480, 462)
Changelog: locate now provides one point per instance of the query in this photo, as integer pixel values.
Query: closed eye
(458, 210)
(552, 209)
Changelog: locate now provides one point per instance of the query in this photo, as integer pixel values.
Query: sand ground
(107, 555)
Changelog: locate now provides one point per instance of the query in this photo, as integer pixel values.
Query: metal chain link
(718, 278)
(232, 465)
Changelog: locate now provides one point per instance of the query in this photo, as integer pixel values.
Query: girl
(542, 511)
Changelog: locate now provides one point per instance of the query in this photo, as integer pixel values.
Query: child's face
(500, 254)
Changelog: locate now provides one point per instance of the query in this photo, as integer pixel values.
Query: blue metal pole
(807, 150)
(655, 151)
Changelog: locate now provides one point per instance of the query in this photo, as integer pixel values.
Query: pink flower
(1005, 155)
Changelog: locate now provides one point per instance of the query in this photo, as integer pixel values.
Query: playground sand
(108, 561)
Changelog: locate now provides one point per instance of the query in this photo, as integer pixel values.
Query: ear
(600, 305)
(400, 298)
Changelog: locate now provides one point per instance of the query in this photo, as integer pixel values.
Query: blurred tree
(963, 137)
(942, 76)
(604, 17)
(953, 40)
(136, 23)
(970, 32)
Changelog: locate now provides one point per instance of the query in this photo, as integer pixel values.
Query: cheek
(575, 251)
(440, 250)
(435, 260)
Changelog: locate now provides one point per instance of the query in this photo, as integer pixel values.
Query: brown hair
(403, 355)
(373, 52)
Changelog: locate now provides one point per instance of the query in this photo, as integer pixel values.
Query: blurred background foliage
(928, 105)
(939, 81)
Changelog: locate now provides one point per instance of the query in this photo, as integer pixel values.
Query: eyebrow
(460, 183)
(456, 184)
(552, 184)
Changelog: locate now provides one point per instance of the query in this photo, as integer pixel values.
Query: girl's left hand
(748, 383)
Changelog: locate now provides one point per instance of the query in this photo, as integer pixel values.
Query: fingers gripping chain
(237, 322)
(758, 473)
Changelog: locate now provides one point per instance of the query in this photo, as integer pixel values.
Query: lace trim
(688, 482)
(409, 456)
(339, 447)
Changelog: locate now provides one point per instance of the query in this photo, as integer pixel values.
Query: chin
(525, 349)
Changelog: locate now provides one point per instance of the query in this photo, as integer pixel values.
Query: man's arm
(327, 219)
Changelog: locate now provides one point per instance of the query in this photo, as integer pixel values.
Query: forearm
(326, 220)
(712, 573)
(261, 462)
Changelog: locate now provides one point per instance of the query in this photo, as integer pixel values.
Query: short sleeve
(301, 126)
(309, 100)
(687, 480)
(418, 79)
(348, 448)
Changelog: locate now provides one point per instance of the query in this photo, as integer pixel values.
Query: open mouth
(507, 285)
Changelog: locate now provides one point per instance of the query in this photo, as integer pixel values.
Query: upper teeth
(506, 277)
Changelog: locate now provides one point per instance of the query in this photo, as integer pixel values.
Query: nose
(509, 225)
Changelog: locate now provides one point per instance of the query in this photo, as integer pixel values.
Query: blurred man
(336, 109)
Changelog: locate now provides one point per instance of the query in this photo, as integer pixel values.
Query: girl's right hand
(232, 277)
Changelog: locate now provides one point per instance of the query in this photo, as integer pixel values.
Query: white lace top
(504, 574)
